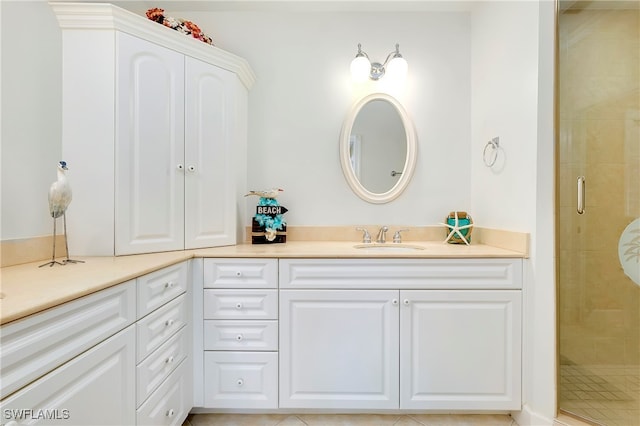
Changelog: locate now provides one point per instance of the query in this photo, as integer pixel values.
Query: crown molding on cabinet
(109, 17)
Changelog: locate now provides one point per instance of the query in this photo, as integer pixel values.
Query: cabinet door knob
(169, 360)
(168, 284)
(406, 301)
(171, 413)
(240, 382)
(238, 305)
(168, 322)
(239, 337)
(394, 301)
(238, 273)
(180, 167)
(191, 168)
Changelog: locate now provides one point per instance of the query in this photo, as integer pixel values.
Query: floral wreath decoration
(181, 25)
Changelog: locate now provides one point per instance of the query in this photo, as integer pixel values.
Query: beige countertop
(26, 289)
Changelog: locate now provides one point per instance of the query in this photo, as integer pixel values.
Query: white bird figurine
(59, 200)
(271, 193)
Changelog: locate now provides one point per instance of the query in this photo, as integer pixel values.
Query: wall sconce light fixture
(362, 67)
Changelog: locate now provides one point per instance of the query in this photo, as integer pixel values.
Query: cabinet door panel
(149, 147)
(460, 350)
(339, 349)
(209, 123)
(95, 387)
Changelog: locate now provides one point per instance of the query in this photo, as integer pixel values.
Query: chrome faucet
(366, 237)
(382, 234)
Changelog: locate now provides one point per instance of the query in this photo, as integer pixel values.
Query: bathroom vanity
(296, 326)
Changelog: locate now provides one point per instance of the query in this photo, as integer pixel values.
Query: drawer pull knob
(394, 301)
(169, 284)
(169, 360)
(239, 337)
(238, 305)
(171, 413)
(240, 382)
(406, 301)
(169, 323)
(238, 273)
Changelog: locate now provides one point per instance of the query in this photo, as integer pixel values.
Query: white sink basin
(392, 247)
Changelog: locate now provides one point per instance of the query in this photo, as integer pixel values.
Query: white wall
(512, 98)
(296, 109)
(31, 116)
(304, 92)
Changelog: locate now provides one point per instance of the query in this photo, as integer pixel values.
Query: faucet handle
(397, 238)
(366, 237)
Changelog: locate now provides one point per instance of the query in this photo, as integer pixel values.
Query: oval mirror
(378, 148)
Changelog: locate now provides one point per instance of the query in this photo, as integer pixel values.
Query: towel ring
(493, 154)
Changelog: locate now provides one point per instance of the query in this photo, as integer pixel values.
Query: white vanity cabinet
(56, 364)
(240, 333)
(120, 356)
(152, 120)
(400, 333)
(164, 385)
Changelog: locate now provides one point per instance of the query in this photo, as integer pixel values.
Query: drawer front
(159, 287)
(154, 329)
(157, 366)
(240, 304)
(96, 386)
(401, 273)
(241, 273)
(226, 335)
(170, 404)
(241, 379)
(70, 329)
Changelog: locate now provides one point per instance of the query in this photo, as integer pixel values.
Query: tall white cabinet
(152, 122)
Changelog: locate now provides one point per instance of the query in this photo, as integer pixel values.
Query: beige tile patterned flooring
(607, 395)
(349, 420)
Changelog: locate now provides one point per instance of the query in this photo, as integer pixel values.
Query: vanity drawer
(170, 403)
(489, 273)
(159, 287)
(240, 304)
(227, 335)
(155, 328)
(157, 366)
(240, 273)
(241, 379)
(70, 329)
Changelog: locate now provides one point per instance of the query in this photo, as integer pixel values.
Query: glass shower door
(599, 210)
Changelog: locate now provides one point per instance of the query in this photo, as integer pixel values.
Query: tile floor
(608, 395)
(349, 420)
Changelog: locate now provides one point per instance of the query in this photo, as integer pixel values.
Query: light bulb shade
(360, 68)
(397, 68)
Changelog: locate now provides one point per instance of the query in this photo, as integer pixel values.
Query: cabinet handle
(171, 413)
(394, 301)
(238, 305)
(239, 337)
(191, 168)
(168, 284)
(180, 167)
(406, 302)
(238, 273)
(169, 360)
(168, 322)
(240, 382)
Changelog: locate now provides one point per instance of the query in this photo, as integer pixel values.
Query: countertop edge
(31, 289)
